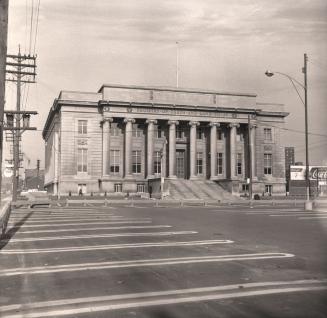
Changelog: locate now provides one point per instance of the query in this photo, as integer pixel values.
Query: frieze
(161, 111)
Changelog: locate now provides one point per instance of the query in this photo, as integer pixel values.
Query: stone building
(123, 137)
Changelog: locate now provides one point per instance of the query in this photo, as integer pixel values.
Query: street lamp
(308, 203)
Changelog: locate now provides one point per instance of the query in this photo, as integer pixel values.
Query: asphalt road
(164, 262)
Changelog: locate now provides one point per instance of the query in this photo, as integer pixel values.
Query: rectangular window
(239, 135)
(114, 130)
(220, 135)
(136, 131)
(267, 134)
(140, 188)
(179, 132)
(199, 133)
(159, 132)
(82, 160)
(82, 127)
(199, 162)
(239, 164)
(118, 187)
(114, 161)
(268, 189)
(157, 162)
(220, 162)
(267, 163)
(136, 161)
(245, 187)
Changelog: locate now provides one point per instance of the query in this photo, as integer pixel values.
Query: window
(118, 187)
(136, 161)
(157, 162)
(239, 164)
(179, 132)
(114, 130)
(137, 131)
(220, 162)
(267, 163)
(140, 187)
(159, 132)
(82, 127)
(245, 188)
(268, 189)
(220, 135)
(239, 135)
(267, 134)
(199, 162)
(82, 160)
(114, 161)
(199, 133)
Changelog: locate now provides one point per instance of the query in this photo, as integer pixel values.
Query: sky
(224, 45)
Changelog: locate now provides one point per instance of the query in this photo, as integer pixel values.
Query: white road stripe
(78, 224)
(300, 215)
(55, 216)
(312, 217)
(139, 263)
(92, 305)
(112, 246)
(87, 236)
(96, 229)
(77, 219)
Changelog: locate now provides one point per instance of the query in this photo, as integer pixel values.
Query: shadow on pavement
(13, 230)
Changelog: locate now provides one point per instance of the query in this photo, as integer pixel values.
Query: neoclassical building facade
(119, 138)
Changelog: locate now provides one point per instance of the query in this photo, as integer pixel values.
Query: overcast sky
(224, 45)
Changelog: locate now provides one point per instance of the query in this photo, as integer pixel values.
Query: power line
(31, 28)
(37, 24)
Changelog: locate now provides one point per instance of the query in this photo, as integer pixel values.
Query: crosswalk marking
(87, 236)
(113, 246)
(144, 299)
(79, 224)
(96, 229)
(139, 263)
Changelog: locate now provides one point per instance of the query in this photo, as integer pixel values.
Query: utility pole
(21, 68)
(3, 53)
(307, 180)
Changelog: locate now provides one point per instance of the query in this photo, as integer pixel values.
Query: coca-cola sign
(318, 173)
(315, 172)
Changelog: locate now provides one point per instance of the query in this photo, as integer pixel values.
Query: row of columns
(172, 147)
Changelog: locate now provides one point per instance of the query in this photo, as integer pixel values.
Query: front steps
(182, 189)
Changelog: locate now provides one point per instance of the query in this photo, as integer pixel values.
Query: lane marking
(312, 217)
(87, 236)
(97, 229)
(55, 216)
(146, 299)
(300, 215)
(78, 224)
(139, 263)
(113, 246)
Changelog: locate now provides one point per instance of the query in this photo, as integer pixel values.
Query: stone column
(150, 146)
(193, 173)
(105, 144)
(56, 162)
(172, 148)
(213, 150)
(253, 157)
(233, 127)
(128, 146)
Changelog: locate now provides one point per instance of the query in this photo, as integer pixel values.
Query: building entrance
(180, 164)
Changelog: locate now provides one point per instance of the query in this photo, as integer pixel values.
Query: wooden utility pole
(20, 69)
(3, 53)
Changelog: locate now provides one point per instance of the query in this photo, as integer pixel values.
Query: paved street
(164, 262)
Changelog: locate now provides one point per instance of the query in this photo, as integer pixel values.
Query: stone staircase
(182, 189)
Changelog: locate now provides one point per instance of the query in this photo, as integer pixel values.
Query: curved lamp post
(308, 203)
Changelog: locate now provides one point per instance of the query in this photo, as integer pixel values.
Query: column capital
(151, 121)
(213, 124)
(194, 123)
(173, 122)
(106, 119)
(129, 120)
(253, 126)
(236, 125)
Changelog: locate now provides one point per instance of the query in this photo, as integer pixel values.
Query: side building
(122, 137)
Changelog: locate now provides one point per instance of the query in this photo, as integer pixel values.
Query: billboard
(315, 173)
